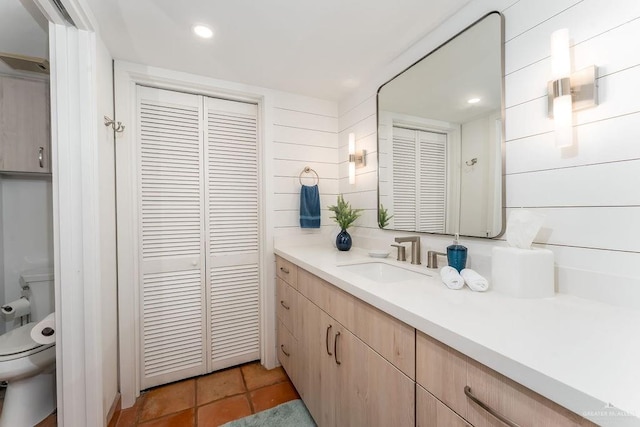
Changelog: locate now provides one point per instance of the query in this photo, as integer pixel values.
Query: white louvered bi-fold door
(419, 180)
(171, 236)
(198, 234)
(232, 229)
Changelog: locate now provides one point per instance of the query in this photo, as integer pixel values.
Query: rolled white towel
(475, 281)
(451, 278)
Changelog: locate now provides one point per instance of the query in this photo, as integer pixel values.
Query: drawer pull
(507, 421)
(283, 350)
(284, 270)
(41, 157)
(284, 305)
(335, 348)
(326, 340)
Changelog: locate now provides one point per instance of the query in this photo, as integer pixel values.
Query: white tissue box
(523, 273)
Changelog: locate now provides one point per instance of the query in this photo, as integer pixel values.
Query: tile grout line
(247, 395)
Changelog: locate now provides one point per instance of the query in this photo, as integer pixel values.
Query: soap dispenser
(457, 255)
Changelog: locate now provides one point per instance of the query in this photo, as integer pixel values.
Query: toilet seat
(18, 343)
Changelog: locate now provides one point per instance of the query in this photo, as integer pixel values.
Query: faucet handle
(432, 258)
(402, 252)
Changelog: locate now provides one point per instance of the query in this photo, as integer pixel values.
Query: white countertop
(582, 354)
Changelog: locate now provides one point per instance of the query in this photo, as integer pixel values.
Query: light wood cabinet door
(315, 380)
(371, 391)
(25, 140)
(430, 412)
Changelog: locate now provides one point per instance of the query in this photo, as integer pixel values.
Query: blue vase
(343, 241)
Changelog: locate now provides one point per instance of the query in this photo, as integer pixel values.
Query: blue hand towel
(309, 206)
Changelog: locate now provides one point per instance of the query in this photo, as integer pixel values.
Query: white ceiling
(317, 48)
(20, 33)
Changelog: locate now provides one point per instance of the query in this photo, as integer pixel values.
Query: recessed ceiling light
(203, 31)
(473, 100)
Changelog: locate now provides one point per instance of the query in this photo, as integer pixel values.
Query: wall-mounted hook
(471, 162)
(117, 126)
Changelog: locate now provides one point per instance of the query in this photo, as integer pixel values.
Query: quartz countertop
(581, 354)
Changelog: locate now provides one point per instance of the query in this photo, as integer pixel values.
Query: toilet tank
(41, 291)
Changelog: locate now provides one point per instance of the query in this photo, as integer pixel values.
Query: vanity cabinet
(343, 374)
(444, 373)
(25, 139)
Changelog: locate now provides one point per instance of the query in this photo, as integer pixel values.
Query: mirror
(441, 138)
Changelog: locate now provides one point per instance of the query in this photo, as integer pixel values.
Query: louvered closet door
(432, 188)
(232, 230)
(404, 179)
(171, 236)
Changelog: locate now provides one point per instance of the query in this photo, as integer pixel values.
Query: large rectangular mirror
(441, 138)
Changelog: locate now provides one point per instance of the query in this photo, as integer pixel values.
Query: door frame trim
(126, 76)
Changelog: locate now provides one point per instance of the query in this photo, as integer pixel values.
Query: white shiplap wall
(589, 193)
(304, 134)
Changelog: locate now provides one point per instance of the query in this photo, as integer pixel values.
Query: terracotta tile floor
(210, 400)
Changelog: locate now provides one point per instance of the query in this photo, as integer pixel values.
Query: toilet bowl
(27, 366)
(29, 369)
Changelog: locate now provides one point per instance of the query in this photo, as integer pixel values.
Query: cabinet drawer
(286, 305)
(514, 401)
(445, 373)
(288, 352)
(430, 412)
(287, 271)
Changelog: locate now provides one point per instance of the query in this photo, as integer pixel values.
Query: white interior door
(231, 130)
(171, 236)
(198, 211)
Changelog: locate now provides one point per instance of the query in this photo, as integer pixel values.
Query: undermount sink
(382, 272)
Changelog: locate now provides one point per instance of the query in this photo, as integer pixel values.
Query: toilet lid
(18, 340)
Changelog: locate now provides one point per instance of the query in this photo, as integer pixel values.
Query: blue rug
(290, 414)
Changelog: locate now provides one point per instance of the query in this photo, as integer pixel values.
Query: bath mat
(290, 414)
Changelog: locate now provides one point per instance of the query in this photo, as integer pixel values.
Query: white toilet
(29, 367)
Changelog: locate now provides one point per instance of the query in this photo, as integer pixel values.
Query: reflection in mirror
(441, 139)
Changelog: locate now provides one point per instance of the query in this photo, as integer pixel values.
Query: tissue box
(523, 273)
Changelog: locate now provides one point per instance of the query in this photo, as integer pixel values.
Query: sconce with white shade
(568, 92)
(356, 159)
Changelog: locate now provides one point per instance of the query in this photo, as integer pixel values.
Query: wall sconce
(356, 160)
(568, 92)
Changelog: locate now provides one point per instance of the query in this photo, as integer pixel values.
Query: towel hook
(307, 169)
(116, 126)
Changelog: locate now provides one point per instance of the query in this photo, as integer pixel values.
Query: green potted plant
(383, 216)
(345, 216)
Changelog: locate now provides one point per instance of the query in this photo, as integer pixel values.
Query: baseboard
(114, 411)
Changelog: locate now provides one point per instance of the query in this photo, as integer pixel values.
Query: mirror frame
(502, 142)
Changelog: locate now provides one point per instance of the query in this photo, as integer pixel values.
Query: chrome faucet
(415, 247)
